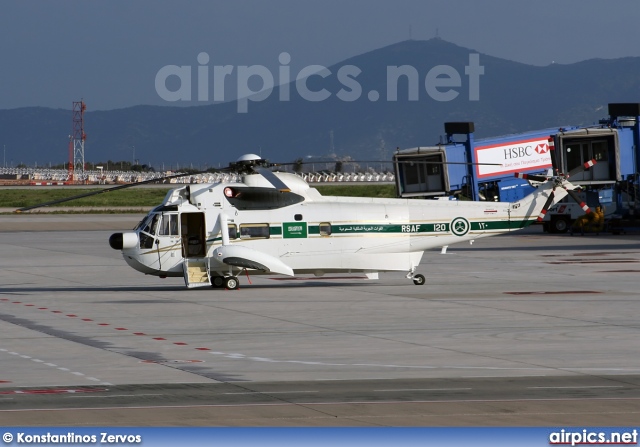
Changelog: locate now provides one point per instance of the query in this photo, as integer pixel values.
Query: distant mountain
(513, 97)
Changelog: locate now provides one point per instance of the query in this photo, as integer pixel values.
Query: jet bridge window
(578, 151)
(422, 175)
(254, 231)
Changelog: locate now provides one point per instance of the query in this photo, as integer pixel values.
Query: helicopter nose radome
(119, 241)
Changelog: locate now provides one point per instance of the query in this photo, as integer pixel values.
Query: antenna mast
(332, 147)
(76, 142)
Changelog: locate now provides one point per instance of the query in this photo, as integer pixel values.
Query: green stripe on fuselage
(414, 228)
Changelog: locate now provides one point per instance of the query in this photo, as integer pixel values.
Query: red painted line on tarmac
(4, 299)
(105, 324)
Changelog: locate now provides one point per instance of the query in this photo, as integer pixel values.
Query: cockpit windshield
(148, 224)
(147, 230)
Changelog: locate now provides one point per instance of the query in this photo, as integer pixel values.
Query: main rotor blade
(552, 152)
(581, 168)
(535, 178)
(94, 193)
(435, 162)
(272, 178)
(575, 197)
(546, 206)
(389, 161)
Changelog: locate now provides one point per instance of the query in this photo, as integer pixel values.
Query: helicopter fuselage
(229, 227)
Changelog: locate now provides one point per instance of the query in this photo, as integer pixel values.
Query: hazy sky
(109, 52)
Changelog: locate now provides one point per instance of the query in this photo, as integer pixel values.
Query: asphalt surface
(526, 329)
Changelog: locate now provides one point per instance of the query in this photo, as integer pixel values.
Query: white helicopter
(275, 223)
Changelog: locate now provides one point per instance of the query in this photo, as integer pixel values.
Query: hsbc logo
(517, 152)
(525, 151)
(542, 148)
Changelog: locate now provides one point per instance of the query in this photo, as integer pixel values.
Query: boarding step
(196, 273)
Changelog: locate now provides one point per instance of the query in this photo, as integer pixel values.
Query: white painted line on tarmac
(423, 389)
(572, 387)
(270, 392)
(77, 396)
(53, 365)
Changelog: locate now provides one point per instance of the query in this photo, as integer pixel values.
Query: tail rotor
(560, 180)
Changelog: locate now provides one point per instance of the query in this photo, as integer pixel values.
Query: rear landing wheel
(217, 282)
(231, 283)
(419, 280)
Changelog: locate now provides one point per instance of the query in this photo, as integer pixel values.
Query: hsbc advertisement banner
(512, 157)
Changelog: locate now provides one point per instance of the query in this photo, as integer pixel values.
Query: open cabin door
(194, 249)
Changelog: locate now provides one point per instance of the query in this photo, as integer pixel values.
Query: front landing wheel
(231, 283)
(419, 280)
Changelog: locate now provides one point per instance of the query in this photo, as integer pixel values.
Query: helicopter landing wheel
(419, 280)
(231, 283)
(217, 282)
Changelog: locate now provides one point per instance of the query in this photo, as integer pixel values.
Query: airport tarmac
(516, 330)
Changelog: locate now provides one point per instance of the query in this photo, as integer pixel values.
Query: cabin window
(146, 241)
(254, 231)
(325, 229)
(233, 231)
(169, 225)
(298, 217)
